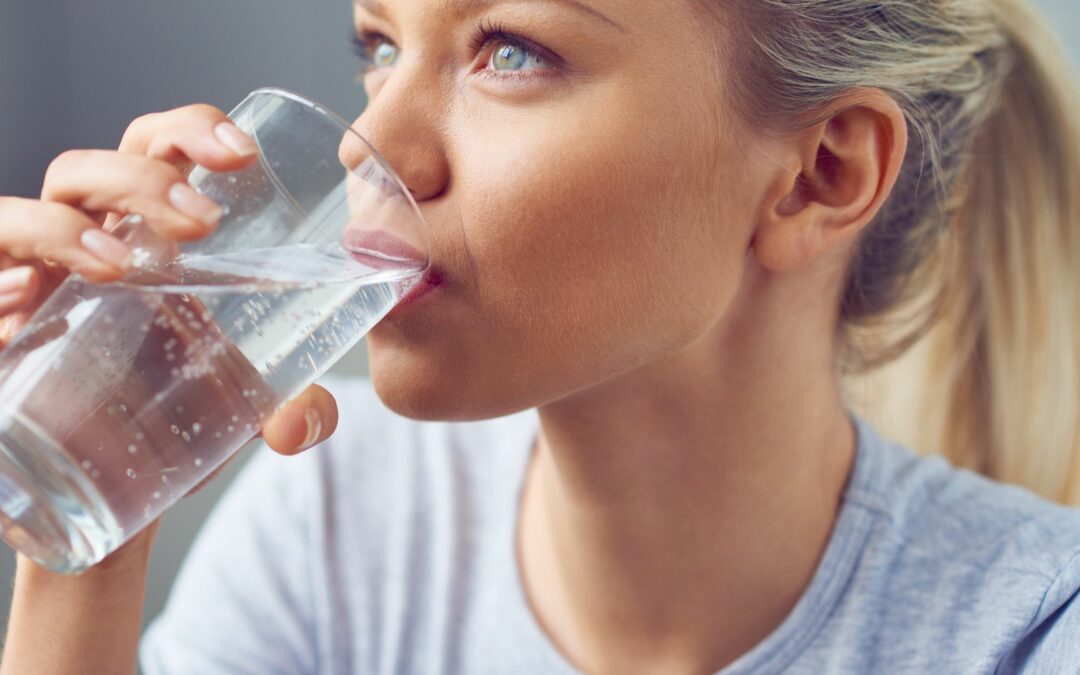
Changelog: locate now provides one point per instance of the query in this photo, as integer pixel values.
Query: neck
(673, 516)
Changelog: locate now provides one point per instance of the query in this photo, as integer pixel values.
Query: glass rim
(345, 127)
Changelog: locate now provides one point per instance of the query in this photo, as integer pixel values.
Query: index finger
(198, 133)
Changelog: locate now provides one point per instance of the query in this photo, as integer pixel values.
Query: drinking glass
(116, 399)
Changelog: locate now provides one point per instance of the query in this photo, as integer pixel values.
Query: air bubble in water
(229, 428)
(198, 461)
(175, 429)
(186, 436)
(217, 434)
(157, 495)
(123, 408)
(130, 472)
(139, 435)
(132, 449)
(196, 428)
(235, 418)
(86, 464)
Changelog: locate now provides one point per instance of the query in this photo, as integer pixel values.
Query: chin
(431, 387)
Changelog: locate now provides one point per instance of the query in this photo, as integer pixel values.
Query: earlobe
(845, 168)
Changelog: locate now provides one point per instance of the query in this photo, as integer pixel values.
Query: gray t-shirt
(390, 549)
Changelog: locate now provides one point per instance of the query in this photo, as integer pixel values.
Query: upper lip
(382, 244)
(386, 248)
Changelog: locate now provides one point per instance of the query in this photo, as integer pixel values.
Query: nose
(401, 123)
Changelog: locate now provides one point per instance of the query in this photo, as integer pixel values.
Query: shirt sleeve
(1053, 643)
(241, 602)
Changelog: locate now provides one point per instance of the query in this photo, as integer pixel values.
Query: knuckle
(158, 174)
(201, 112)
(64, 221)
(47, 247)
(138, 127)
(145, 176)
(59, 174)
(65, 161)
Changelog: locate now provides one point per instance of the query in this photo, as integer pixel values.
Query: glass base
(48, 508)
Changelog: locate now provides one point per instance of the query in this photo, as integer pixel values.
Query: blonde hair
(959, 331)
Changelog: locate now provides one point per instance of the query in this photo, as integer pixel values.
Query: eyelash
(364, 45)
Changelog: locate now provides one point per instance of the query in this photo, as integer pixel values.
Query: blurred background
(74, 73)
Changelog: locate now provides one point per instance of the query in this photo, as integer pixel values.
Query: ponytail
(994, 385)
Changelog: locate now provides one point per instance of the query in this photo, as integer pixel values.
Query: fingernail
(186, 200)
(107, 247)
(235, 140)
(14, 280)
(314, 428)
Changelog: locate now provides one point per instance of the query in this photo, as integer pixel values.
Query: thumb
(306, 420)
(297, 425)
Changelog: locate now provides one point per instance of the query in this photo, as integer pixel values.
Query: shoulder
(941, 512)
(971, 565)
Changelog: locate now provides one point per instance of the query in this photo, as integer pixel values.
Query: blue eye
(512, 57)
(374, 49)
(512, 53)
(386, 54)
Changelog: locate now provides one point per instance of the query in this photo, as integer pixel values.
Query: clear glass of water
(116, 399)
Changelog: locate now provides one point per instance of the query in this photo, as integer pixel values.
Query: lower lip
(423, 289)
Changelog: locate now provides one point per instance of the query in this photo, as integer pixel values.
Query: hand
(85, 192)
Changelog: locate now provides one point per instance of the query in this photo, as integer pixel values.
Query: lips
(381, 249)
(431, 280)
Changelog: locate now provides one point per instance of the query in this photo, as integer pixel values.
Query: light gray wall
(33, 87)
(73, 73)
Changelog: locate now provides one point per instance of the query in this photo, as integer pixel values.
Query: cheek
(606, 230)
(591, 243)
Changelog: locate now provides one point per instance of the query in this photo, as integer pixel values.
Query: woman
(663, 234)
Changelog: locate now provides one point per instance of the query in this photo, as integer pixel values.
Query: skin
(666, 297)
(661, 279)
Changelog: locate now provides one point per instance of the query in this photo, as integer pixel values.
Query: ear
(835, 177)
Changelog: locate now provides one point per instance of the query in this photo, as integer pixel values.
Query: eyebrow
(472, 6)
